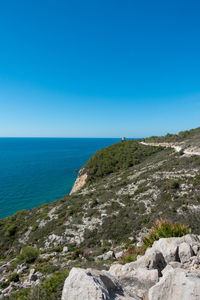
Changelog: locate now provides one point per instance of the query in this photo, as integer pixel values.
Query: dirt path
(175, 147)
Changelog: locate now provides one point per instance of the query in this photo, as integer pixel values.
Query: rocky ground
(170, 270)
(95, 225)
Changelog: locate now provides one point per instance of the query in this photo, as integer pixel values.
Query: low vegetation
(28, 254)
(165, 229)
(172, 138)
(50, 288)
(117, 157)
(161, 229)
(129, 187)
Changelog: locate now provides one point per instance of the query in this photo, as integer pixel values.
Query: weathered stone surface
(47, 255)
(168, 248)
(175, 264)
(134, 281)
(80, 181)
(153, 259)
(21, 268)
(107, 255)
(185, 252)
(191, 239)
(176, 285)
(32, 275)
(91, 285)
(65, 249)
(119, 254)
(169, 270)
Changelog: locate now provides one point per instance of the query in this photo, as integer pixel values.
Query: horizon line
(62, 137)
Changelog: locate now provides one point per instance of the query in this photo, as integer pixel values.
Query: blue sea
(38, 170)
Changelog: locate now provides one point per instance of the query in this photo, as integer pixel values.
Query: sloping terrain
(128, 187)
(187, 141)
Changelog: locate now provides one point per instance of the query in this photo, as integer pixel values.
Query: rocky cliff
(80, 181)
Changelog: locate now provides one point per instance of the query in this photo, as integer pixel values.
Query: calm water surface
(38, 170)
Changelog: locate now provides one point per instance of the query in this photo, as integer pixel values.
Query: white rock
(118, 255)
(47, 255)
(21, 268)
(65, 249)
(152, 259)
(176, 285)
(32, 275)
(128, 270)
(91, 285)
(7, 290)
(107, 255)
(185, 252)
(134, 281)
(168, 247)
(195, 249)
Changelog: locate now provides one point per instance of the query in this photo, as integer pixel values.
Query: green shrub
(161, 229)
(174, 184)
(128, 258)
(23, 294)
(11, 230)
(164, 229)
(57, 249)
(117, 157)
(28, 255)
(4, 284)
(52, 288)
(47, 269)
(13, 277)
(197, 179)
(76, 254)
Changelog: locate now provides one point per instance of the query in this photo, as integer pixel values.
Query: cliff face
(80, 181)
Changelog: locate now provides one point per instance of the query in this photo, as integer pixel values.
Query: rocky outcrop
(170, 270)
(80, 181)
(177, 284)
(91, 284)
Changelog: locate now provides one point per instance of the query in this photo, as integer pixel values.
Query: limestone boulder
(153, 259)
(92, 285)
(176, 284)
(168, 247)
(185, 252)
(134, 281)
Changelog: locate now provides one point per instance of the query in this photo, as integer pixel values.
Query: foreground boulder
(178, 249)
(91, 285)
(169, 270)
(177, 284)
(135, 282)
(153, 259)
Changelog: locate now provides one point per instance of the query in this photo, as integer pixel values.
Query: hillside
(187, 141)
(128, 186)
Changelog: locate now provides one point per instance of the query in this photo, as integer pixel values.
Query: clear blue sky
(99, 68)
